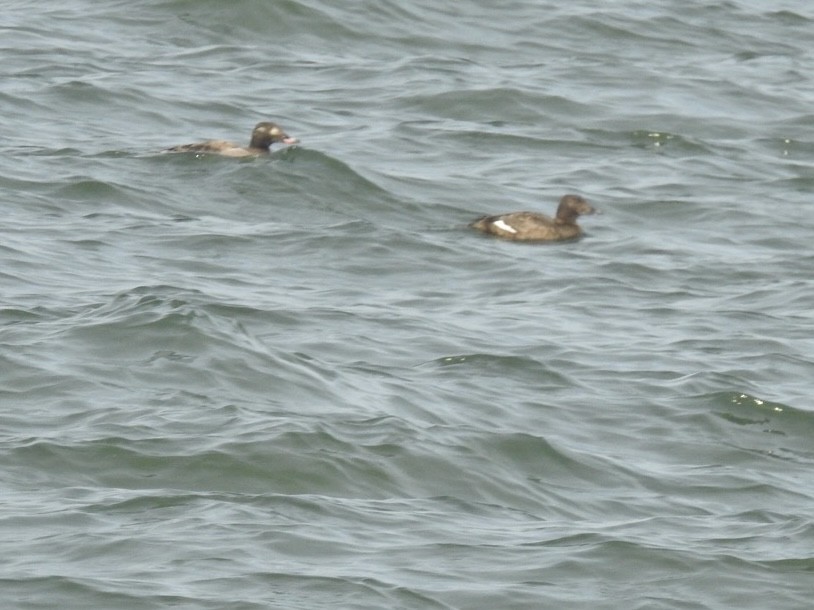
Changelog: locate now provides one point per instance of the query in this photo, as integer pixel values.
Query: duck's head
(572, 206)
(266, 133)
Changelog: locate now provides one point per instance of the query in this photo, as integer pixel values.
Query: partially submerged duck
(263, 136)
(531, 226)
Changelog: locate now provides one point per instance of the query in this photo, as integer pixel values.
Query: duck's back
(527, 226)
(219, 147)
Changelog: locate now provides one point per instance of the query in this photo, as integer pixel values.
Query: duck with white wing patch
(532, 226)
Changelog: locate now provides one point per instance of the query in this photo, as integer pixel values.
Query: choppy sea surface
(301, 382)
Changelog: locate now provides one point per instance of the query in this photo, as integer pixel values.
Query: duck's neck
(568, 218)
(260, 144)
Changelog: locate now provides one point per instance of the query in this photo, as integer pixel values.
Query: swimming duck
(263, 135)
(531, 226)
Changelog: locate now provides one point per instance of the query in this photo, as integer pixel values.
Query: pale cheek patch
(502, 225)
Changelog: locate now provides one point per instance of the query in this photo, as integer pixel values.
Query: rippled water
(301, 382)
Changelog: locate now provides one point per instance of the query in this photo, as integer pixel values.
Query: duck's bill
(289, 140)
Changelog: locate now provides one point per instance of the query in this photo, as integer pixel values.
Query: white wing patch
(502, 225)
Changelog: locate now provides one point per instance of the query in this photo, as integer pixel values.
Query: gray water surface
(301, 382)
